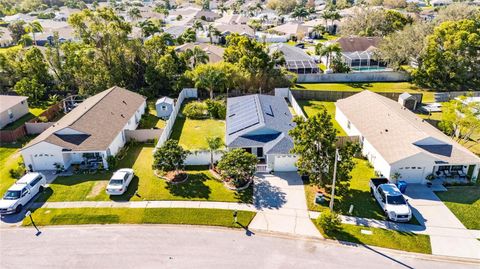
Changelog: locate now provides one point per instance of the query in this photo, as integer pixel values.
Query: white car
(119, 182)
(391, 200)
(20, 193)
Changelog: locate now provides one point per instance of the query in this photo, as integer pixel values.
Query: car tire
(18, 209)
(41, 189)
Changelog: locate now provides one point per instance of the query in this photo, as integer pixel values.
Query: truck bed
(379, 181)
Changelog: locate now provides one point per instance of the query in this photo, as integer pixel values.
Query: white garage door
(45, 161)
(412, 174)
(285, 163)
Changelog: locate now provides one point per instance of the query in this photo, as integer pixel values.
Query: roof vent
(124, 102)
(386, 130)
(122, 115)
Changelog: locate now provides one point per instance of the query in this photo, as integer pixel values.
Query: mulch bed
(228, 183)
(172, 177)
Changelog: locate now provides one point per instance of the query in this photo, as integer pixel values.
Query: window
(35, 181)
(24, 192)
(10, 114)
(164, 108)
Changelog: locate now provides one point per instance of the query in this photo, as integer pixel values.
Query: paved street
(152, 246)
(282, 207)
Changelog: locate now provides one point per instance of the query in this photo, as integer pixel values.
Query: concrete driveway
(448, 236)
(281, 204)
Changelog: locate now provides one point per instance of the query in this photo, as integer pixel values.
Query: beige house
(215, 53)
(12, 108)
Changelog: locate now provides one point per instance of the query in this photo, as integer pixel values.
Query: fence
(446, 96)
(7, 136)
(185, 93)
(342, 140)
(37, 127)
(143, 135)
(202, 157)
(286, 93)
(381, 76)
(333, 96)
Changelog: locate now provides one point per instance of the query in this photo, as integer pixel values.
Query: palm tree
(134, 14)
(208, 77)
(256, 25)
(212, 31)
(25, 40)
(222, 8)
(329, 51)
(34, 27)
(319, 30)
(197, 25)
(300, 12)
(189, 35)
(214, 143)
(197, 56)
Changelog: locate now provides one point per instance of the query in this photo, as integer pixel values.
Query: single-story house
(215, 53)
(233, 19)
(12, 108)
(358, 52)
(260, 124)
(6, 39)
(194, 12)
(164, 107)
(294, 30)
(227, 29)
(296, 60)
(88, 134)
(395, 140)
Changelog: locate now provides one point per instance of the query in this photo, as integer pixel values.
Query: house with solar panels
(260, 124)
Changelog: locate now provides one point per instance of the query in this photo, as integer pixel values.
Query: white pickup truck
(20, 193)
(390, 199)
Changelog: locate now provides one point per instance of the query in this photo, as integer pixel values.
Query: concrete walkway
(281, 204)
(448, 236)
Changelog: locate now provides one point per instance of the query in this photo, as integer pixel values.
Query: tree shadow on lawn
(360, 85)
(194, 187)
(245, 196)
(131, 156)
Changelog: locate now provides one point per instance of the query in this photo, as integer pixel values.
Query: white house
(260, 124)
(88, 134)
(12, 108)
(395, 140)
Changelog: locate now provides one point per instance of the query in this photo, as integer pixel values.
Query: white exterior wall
(17, 110)
(202, 157)
(42, 156)
(414, 169)
(284, 162)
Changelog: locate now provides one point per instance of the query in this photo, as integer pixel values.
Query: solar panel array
(301, 64)
(242, 115)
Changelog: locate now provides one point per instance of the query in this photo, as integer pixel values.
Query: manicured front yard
(192, 216)
(201, 185)
(464, 202)
(428, 96)
(381, 238)
(310, 108)
(192, 134)
(9, 159)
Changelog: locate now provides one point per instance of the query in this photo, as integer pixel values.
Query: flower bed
(172, 176)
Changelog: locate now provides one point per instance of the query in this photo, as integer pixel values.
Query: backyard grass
(428, 96)
(381, 238)
(310, 108)
(192, 216)
(464, 202)
(150, 120)
(33, 113)
(201, 185)
(192, 134)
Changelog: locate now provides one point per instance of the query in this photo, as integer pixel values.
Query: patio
(452, 174)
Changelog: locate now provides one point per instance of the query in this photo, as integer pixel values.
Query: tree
(30, 88)
(169, 157)
(255, 25)
(148, 28)
(282, 6)
(17, 30)
(460, 120)
(34, 27)
(238, 166)
(134, 14)
(212, 31)
(214, 143)
(329, 51)
(395, 4)
(300, 12)
(457, 11)
(450, 58)
(196, 56)
(188, 36)
(338, 65)
(197, 25)
(209, 77)
(25, 41)
(319, 30)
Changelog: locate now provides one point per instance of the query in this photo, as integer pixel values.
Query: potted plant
(429, 179)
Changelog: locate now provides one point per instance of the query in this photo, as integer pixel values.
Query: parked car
(21, 192)
(300, 45)
(119, 182)
(390, 199)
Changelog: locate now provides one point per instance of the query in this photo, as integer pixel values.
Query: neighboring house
(176, 31)
(215, 53)
(193, 12)
(233, 19)
(260, 124)
(227, 29)
(294, 30)
(395, 140)
(164, 107)
(296, 60)
(440, 3)
(6, 39)
(12, 108)
(88, 134)
(358, 52)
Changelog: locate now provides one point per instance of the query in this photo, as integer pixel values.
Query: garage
(412, 174)
(284, 163)
(45, 161)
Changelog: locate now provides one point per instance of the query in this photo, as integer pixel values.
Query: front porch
(455, 174)
(85, 161)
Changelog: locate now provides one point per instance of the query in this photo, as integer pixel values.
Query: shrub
(195, 110)
(170, 156)
(329, 221)
(112, 162)
(216, 109)
(42, 119)
(237, 166)
(18, 171)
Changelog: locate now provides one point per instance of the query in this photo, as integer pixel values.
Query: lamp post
(235, 216)
(332, 196)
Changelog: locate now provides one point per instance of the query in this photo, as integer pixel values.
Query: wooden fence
(342, 140)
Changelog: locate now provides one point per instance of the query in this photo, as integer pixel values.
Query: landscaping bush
(170, 156)
(112, 162)
(18, 171)
(195, 110)
(237, 166)
(329, 221)
(216, 109)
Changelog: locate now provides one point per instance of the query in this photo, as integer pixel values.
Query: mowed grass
(311, 108)
(200, 186)
(9, 159)
(192, 134)
(191, 216)
(150, 120)
(464, 202)
(428, 96)
(381, 238)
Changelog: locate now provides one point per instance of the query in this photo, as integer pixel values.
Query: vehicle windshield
(116, 182)
(12, 195)
(396, 200)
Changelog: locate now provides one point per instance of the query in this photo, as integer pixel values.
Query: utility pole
(332, 196)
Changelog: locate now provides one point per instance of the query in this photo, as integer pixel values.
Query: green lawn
(9, 159)
(192, 134)
(33, 113)
(310, 108)
(428, 96)
(464, 202)
(201, 185)
(381, 238)
(150, 120)
(192, 216)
